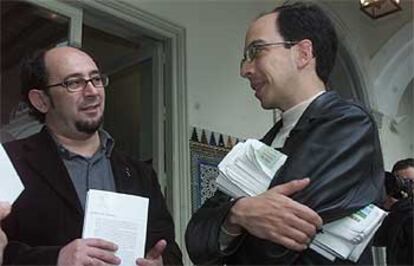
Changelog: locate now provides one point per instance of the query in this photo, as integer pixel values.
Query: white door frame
(75, 15)
(174, 88)
(171, 93)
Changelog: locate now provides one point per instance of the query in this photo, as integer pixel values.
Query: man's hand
(274, 216)
(154, 256)
(4, 211)
(88, 252)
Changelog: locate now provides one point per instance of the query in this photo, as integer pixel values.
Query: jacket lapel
(124, 174)
(306, 119)
(42, 156)
(271, 134)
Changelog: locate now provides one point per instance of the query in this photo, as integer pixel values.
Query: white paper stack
(248, 168)
(10, 184)
(347, 238)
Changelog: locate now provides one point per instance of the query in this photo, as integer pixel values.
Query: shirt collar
(107, 142)
(107, 145)
(292, 115)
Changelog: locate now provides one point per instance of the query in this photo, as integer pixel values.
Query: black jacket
(48, 214)
(335, 143)
(396, 233)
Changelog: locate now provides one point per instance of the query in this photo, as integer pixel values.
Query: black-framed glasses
(74, 84)
(251, 52)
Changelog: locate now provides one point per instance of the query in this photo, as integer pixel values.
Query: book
(118, 218)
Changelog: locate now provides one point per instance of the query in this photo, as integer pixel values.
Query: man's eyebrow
(74, 75)
(255, 42)
(94, 72)
(80, 75)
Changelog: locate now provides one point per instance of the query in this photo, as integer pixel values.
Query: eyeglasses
(78, 84)
(251, 52)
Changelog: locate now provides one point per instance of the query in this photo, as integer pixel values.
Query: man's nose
(246, 69)
(90, 89)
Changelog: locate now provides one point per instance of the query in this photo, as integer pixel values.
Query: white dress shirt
(290, 118)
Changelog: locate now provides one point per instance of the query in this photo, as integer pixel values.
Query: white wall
(398, 132)
(383, 50)
(218, 99)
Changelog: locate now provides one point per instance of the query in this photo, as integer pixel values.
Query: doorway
(143, 45)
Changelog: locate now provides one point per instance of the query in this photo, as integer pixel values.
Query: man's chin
(266, 106)
(89, 127)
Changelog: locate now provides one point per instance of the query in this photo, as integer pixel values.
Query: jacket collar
(311, 112)
(308, 115)
(42, 155)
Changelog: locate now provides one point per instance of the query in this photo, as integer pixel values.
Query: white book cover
(118, 218)
(10, 184)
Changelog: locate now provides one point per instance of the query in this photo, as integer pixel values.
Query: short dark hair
(299, 21)
(398, 187)
(34, 75)
(403, 164)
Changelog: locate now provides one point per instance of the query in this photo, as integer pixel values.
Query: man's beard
(89, 127)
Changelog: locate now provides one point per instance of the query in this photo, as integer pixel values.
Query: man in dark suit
(289, 54)
(70, 155)
(396, 233)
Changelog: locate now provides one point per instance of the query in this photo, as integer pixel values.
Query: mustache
(90, 103)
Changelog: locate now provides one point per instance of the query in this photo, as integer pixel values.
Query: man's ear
(39, 100)
(304, 53)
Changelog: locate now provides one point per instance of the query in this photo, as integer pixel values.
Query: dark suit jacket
(335, 143)
(48, 214)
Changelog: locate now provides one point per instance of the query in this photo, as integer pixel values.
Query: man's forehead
(264, 28)
(64, 52)
(406, 172)
(68, 59)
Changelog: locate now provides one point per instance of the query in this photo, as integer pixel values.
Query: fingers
(102, 244)
(291, 187)
(145, 262)
(95, 262)
(154, 256)
(157, 250)
(292, 244)
(291, 232)
(3, 240)
(88, 252)
(5, 209)
(307, 214)
(302, 211)
(98, 255)
(102, 250)
(274, 216)
(148, 262)
(307, 228)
